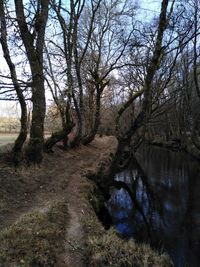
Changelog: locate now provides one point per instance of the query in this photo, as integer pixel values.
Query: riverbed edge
(97, 247)
(105, 248)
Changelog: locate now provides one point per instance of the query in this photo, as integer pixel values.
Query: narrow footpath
(47, 214)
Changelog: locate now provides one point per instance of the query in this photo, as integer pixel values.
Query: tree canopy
(107, 68)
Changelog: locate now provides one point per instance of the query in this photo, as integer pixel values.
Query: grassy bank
(48, 214)
(105, 248)
(35, 239)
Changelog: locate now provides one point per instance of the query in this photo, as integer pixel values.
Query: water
(159, 203)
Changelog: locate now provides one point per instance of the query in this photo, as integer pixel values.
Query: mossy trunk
(34, 44)
(67, 126)
(55, 138)
(34, 151)
(17, 149)
(89, 138)
(79, 124)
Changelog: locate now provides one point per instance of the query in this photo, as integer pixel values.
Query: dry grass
(35, 239)
(107, 249)
(5, 149)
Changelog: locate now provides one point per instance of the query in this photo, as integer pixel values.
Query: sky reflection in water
(165, 206)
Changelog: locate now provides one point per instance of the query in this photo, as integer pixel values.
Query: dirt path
(59, 179)
(88, 160)
(74, 241)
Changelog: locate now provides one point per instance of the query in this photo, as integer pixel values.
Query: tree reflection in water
(156, 199)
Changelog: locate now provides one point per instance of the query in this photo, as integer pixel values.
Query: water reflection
(158, 201)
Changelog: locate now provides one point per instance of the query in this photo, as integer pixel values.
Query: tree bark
(67, 126)
(34, 43)
(144, 114)
(55, 138)
(17, 149)
(89, 138)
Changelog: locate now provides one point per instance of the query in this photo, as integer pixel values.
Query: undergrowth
(35, 239)
(109, 250)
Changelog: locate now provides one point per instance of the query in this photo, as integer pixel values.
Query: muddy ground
(47, 219)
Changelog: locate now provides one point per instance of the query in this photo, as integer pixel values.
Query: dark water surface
(159, 202)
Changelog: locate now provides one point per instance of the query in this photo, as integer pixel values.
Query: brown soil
(59, 179)
(47, 218)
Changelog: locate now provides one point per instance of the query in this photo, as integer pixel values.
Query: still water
(159, 203)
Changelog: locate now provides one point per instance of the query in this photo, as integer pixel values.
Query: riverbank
(47, 215)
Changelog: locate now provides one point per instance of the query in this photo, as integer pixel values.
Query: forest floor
(29, 194)
(46, 216)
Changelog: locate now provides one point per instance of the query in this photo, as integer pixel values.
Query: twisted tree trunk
(17, 149)
(143, 116)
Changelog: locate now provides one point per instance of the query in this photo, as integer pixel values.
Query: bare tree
(146, 108)
(32, 35)
(108, 45)
(17, 149)
(73, 50)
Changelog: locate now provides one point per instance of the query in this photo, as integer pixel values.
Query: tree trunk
(67, 126)
(144, 114)
(17, 149)
(34, 151)
(87, 139)
(55, 138)
(33, 40)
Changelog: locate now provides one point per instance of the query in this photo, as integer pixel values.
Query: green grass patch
(35, 239)
(7, 139)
